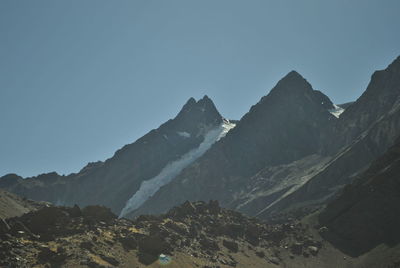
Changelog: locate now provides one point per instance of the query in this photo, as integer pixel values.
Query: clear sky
(79, 79)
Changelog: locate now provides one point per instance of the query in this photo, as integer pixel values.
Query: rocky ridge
(113, 182)
(199, 234)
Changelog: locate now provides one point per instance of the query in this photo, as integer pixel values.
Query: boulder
(45, 220)
(231, 245)
(128, 242)
(179, 228)
(233, 230)
(313, 250)
(208, 244)
(55, 258)
(213, 207)
(297, 248)
(154, 245)
(111, 260)
(74, 212)
(98, 213)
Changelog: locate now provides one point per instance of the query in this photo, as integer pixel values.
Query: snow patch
(336, 111)
(171, 170)
(184, 134)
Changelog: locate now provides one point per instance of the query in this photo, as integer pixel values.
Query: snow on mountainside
(336, 111)
(149, 187)
(113, 182)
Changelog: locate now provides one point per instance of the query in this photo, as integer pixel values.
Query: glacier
(149, 187)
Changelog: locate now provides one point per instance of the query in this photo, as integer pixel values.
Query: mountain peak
(293, 95)
(204, 105)
(294, 73)
(293, 78)
(205, 97)
(190, 103)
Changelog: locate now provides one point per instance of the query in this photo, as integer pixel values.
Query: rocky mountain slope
(363, 133)
(114, 181)
(289, 154)
(283, 127)
(367, 212)
(12, 205)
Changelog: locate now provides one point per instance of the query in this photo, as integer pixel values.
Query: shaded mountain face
(246, 171)
(114, 181)
(367, 212)
(361, 134)
(380, 97)
(284, 126)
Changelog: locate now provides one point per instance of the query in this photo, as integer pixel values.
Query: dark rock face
(284, 126)
(380, 97)
(114, 181)
(366, 213)
(362, 133)
(232, 246)
(273, 145)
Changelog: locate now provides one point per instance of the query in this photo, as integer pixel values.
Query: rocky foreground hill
(192, 235)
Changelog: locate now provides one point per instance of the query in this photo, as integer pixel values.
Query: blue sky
(79, 79)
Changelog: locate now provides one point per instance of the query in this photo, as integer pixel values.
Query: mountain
(360, 135)
(113, 182)
(289, 154)
(378, 100)
(324, 179)
(282, 127)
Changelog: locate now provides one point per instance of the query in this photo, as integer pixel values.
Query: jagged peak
(190, 103)
(205, 99)
(204, 104)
